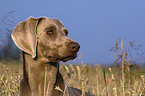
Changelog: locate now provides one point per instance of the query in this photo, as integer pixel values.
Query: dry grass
(97, 80)
(10, 75)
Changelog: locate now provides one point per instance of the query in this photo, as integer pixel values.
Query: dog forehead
(52, 21)
(58, 22)
(47, 23)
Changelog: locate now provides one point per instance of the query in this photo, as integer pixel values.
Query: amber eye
(50, 32)
(66, 32)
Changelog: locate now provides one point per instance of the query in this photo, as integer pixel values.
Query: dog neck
(42, 77)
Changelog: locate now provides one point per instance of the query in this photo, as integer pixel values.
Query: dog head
(45, 37)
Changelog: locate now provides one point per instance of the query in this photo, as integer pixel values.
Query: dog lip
(52, 58)
(62, 59)
(68, 58)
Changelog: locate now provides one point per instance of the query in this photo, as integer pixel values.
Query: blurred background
(95, 24)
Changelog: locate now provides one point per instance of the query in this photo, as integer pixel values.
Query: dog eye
(66, 32)
(50, 32)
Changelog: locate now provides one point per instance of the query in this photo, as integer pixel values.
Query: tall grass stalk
(97, 83)
(122, 66)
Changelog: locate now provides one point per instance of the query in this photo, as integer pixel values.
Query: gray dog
(44, 43)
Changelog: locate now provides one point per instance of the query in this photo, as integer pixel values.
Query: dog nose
(74, 46)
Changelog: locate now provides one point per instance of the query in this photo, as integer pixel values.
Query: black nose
(74, 46)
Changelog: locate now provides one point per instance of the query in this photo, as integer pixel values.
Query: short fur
(44, 43)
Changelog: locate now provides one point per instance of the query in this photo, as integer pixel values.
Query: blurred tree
(7, 48)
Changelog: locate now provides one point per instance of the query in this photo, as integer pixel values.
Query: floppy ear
(24, 35)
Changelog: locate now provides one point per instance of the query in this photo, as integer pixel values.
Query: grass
(10, 75)
(122, 79)
(100, 81)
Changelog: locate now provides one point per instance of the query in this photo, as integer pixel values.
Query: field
(100, 81)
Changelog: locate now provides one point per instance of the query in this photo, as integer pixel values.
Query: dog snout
(74, 46)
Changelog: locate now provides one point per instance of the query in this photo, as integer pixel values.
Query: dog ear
(24, 35)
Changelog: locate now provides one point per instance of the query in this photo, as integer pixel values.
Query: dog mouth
(64, 59)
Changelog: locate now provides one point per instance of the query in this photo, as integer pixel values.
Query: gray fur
(44, 43)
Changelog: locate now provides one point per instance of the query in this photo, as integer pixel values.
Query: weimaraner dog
(44, 43)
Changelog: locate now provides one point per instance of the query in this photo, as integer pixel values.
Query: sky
(95, 24)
